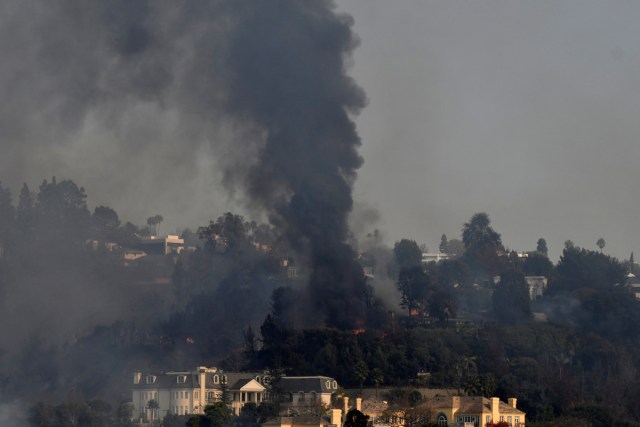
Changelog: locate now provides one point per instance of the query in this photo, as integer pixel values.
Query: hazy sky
(528, 111)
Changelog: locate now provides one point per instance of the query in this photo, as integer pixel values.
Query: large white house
(156, 395)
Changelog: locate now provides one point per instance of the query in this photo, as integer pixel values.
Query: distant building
(633, 283)
(428, 257)
(470, 411)
(155, 245)
(537, 285)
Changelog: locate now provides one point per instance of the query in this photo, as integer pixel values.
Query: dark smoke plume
(129, 97)
(287, 75)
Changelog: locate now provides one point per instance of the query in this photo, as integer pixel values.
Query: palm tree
(153, 406)
(600, 244)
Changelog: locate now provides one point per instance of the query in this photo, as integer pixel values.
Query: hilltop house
(537, 285)
(473, 411)
(183, 393)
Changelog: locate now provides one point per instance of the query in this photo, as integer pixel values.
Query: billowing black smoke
(127, 96)
(286, 65)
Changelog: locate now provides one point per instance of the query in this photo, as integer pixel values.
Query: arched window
(442, 420)
(301, 396)
(216, 380)
(312, 396)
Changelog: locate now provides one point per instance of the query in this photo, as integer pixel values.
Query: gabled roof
(248, 384)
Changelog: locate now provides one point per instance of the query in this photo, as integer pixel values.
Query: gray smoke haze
(149, 104)
(526, 110)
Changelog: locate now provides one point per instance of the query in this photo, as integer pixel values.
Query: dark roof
(168, 380)
(192, 380)
(308, 384)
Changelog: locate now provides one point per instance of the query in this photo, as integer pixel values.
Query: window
(301, 396)
(151, 379)
(517, 421)
(312, 396)
(442, 420)
(258, 378)
(335, 385)
(196, 395)
(216, 380)
(327, 384)
(182, 379)
(186, 394)
(224, 379)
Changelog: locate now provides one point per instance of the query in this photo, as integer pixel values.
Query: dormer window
(335, 385)
(216, 379)
(258, 378)
(151, 379)
(327, 384)
(181, 379)
(224, 379)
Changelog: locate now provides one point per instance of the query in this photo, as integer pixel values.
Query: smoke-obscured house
(536, 285)
(156, 245)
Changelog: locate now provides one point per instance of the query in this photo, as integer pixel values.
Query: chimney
(336, 417)
(359, 403)
(512, 402)
(202, 382)
(495, 409)
(136, 377)
(455, 402)
(345, 408)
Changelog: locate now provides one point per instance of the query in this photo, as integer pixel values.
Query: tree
(7, 214)
(154, 223)
(62, 210)
(568, 244)
(537, 264)
(124, 414)
(219, 414)
(104, 222)
(511, 302)
(444, 244)
(600, 244)
(361, 372)
(407, 253)
(481, 243)
(542, 246)
(455, 247)
(377, 378)
(227, 233)
(25, 212)
(355, 418)
(412, 284)
(153, 407)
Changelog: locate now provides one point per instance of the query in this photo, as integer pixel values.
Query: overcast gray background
(528, 111)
